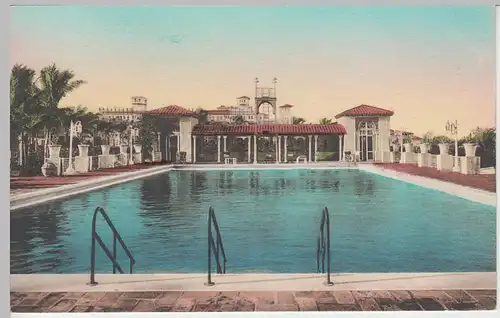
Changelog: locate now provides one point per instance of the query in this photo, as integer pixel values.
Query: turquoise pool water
(269, 221)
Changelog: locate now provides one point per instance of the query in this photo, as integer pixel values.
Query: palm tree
(55, 84)
(202, 115)
(298, 120)
(325, 121)
(25, 114)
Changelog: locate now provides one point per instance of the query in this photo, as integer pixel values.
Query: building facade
(362, 133)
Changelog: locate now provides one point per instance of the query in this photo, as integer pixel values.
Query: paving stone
(63, 305)
(285, 298)
(276, 307)
(82, 309)
(90, 298)
(163, 308)
(409, 304)
(145, 306)
(486, 302)
(125, 304)
(141, 295)
(438, 295)
(183, 305)
(362, 294)
(401, 295)
(73, 295)
(463, 306)
(310, 294)
(50, 300)
(28, 309)
(28, 302)
(259, 296)
(306, 304)
(226, 307)
(344, 297)
(167, 299)
(243, 304)
(108, 300)
(368, 304)
(430, 304)
(481, 292)
(459, 296)
(338, 307)
(324, 297)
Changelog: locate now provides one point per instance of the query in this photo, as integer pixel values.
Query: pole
(131, 160)
(70, 169)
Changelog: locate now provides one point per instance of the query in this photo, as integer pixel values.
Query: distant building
(139, 105)
(247, 112)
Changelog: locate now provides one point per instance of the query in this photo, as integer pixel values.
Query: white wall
(349, 124)
(186, 125)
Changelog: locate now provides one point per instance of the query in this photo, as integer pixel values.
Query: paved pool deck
(245, 301)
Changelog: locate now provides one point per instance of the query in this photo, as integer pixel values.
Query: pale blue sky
(409, 59)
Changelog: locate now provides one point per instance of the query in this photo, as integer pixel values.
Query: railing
(216, 246)
(111, 256)
(323, 246)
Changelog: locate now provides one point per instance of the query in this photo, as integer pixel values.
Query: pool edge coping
(252, 282)
(464, 192)
(36, 197)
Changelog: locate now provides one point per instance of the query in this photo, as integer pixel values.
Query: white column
(218, 148)
(275, 139)
(225, 143)
(167, 153)
(310, 148)
(194, 149)
(316, 148)
(249, 148)
(255, 150)
(279, 148)
(341, 154)
(286, 153)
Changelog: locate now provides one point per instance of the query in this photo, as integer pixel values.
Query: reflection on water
(269, 221)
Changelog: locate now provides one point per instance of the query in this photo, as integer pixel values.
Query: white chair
(303, 158)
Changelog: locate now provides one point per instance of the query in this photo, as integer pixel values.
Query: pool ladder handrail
(111, 256)
(216, 246)
(323, 246)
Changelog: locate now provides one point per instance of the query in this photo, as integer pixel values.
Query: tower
(286, 114)
(139, 103)
(266, 96)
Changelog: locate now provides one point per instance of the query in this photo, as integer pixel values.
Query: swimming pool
(269, 221)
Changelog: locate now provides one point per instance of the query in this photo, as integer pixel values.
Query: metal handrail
(111, 256)
(217, 247)
(323, 245)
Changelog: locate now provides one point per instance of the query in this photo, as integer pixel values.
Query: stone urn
(54, 151)
(105, 149)
(424, 148)
(137, 148)
(470, 150)
(443, 149)
(49, 169)
(123, 148)
(83, 150)
(408, 147)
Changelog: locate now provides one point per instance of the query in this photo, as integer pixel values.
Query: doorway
(366, 143)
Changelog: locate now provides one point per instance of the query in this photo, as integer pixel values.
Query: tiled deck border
(173, 301)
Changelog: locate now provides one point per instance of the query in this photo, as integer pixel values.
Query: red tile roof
(282, 129)
(365, 110)
(286, 106)
(171, 111)
(218, 111)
